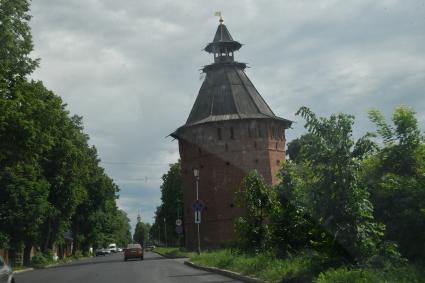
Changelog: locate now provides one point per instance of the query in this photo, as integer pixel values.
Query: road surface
(112, 268)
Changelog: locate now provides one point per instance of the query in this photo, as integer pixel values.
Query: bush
(42, 259)
(78, 254)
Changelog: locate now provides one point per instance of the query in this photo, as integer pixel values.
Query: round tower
(230, 131)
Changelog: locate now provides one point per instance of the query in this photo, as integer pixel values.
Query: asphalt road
(112, 268)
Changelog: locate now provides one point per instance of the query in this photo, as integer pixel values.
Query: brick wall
(224, 153)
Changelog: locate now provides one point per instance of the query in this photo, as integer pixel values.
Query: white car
(6, 274)
(113, 248)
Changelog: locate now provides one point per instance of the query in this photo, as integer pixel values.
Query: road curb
(168, 256)
(228, 273)
(48, 266)
(23, 270)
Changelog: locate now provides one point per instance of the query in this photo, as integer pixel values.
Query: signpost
(179, 222)
(198, 205)
(197, 217)
(179, 229)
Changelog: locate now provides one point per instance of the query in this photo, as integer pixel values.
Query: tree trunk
(45, 246)
(27, 253)
(12, 257)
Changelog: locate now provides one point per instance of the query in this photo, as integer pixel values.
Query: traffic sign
(179, 229)
(198, 205)
(178, 222)
(197, 217)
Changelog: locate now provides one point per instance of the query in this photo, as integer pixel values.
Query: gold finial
(218, 14)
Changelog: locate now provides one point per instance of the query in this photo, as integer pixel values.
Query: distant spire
(139, 219)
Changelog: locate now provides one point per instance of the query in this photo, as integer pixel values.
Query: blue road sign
(198, 205)
(179, 229)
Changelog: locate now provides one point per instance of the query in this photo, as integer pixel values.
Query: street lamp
(196, 174)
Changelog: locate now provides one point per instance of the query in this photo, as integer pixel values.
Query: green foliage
(170, 208)
(301, 267)
(4, 240)
(121, 229)
(26, 122)
(259, 200)
(295, 150)
(399, 274)
(292, 227)
(15, 44)
(50, 178)
(325, 184)
(42, 259)
(174, 252)
(141, 233)
(396, 180)
(78, 254)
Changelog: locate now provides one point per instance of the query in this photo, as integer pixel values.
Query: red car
(133, 251)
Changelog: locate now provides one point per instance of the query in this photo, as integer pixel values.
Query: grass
(174, 252)
(408, 273)
(303, 267)
(306, 266)
(42, 260)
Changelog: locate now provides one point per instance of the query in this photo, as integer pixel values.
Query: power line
(129, 163)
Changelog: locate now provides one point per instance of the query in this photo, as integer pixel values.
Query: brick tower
(230, 131)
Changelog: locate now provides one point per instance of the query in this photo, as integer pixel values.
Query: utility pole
(165, 232)
(196, 174)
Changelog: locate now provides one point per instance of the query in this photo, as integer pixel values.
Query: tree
(396, 180)
(259, 200)
(51, 182)
(15, 44)
(171, 206)
(141, 233)
(292, 228)
(121, 229)
(296, 146)
(64, 168)
(327, 182)
(26, 123)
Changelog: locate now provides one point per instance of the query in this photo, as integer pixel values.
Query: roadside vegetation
(171, 208)
(174, 252)
(355, 205)
(52, 185)
(345, 210)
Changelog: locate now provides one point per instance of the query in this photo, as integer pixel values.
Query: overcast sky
(131, 68)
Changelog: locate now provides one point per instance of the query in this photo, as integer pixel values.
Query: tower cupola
(223, 46)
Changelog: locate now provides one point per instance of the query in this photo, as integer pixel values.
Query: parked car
(150, 247)
(6, 274)
(133, 251)
(119, 249)
(100, 252)
(113, 248)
